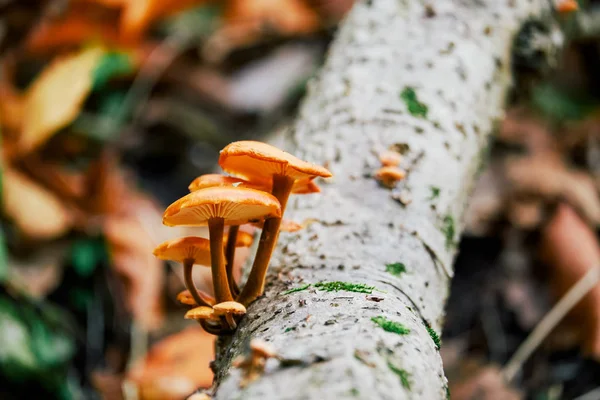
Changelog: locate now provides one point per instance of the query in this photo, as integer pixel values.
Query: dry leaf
(570, 248)
(55, 98)
(486, 384)
(35, 211)
(176, 366)
(138, 15)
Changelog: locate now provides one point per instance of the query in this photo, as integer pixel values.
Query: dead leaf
(486, 383)
(248, 21)
(175, 367)
(35, 211)
(55, 98)
(79, 25)
(570, 248)
(138, 15)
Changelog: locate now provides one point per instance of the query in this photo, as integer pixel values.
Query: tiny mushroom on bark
(229, 309)
(207, 318)
(185, 297)
(389, 176)
(217, 207)
(390, 158)
(256, 161)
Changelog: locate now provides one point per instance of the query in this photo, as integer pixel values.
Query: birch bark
(429, 79)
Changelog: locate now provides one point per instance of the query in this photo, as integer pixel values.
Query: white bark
(458, 63)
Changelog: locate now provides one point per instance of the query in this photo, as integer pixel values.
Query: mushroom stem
(282, 187)
(229, 258)
(230, 320)
(202, 299)
(214, 330)
(217, 260)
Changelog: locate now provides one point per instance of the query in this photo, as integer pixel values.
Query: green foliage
(434, 337)
(298, 289)
(415, 107)
(391, 326)
(336, 286)
(402, 374)
(395, 268)
(35, 346)
(87, 254)
(111, 65)
(559, 105)
(449, 230)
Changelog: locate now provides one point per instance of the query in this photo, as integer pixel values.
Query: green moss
(435, 193)
(354, 392)
(336, 286)
(395, 268)
(288, 329)
(434, 337)
(402, 374)
(391, 326)
(298, 289)
(415, 107)
(447, 393)
(449, 230)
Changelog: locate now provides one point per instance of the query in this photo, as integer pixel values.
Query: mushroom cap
(235, 205)
(301, 186)
(390, 158)
(253, 160)
(262, 349)
(194, 247)
(229, 307)
(185, 298)
(389, 175)
(212, 180)
(201, 312)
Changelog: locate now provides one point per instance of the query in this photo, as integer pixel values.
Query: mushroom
(229, 309)
(185, 297)
(207, 318)
(286, 225)
(192, 250)
(388, 176)
(217, 207)
(259, 161)
(390, 158)
(188, 250)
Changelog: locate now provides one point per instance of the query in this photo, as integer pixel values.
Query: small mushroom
(567, 6)
(253, 364)
(287, 225)
(229, 309)
(185, 297)
(188, 250)
(217, 207)
(256, 161)
(389, 176)
(206, 317)
(262, 349)
(390, 158)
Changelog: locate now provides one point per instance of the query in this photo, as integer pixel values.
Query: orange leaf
(34, 210)
(138, 15)
(56, 97)
(570, 248)
(176, 366)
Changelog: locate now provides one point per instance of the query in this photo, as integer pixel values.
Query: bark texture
(429, 78)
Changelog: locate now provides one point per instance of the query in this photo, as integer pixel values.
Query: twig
(550, 320)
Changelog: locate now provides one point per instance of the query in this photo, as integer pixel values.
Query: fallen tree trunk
(430, 81)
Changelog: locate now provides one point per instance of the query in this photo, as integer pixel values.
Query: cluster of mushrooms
(262, 179)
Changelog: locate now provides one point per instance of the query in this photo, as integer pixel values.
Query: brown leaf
(35, 211)
(56, 97)
(176, 366)
(486, 383)
(570, 248)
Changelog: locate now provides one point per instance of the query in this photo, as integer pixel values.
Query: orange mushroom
(217, 207)
(256, 161)
(229, 309)
(389, 176)
(390, 158)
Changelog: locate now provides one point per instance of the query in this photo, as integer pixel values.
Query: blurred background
(110, 108)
